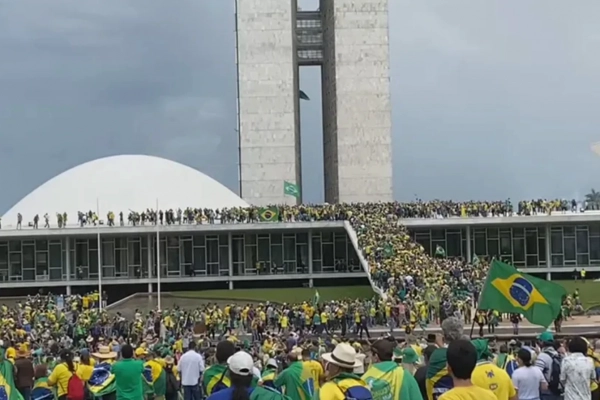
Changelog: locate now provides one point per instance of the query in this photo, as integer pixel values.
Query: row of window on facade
(250, 254)
(569, 245)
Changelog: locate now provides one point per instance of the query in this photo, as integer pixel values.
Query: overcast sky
(490, 98)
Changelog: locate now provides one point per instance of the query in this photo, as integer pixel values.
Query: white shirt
(190, 367)
(576, 374)
(527, 381)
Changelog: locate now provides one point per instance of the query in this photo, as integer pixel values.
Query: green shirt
(128, 379)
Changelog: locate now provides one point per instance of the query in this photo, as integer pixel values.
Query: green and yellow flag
(8, 390)
(510, 291)
(269, 214)
(291, 189)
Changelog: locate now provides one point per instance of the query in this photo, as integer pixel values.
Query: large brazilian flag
(102, 381)
(8, 390)
(41, 390)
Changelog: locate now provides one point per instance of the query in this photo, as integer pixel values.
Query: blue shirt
(225, 394)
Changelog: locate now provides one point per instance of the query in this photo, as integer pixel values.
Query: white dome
(123, 183)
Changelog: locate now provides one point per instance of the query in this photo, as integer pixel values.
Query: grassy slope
(589, 293)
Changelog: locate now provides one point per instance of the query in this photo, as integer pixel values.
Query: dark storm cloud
(82, 80)
(490, 99)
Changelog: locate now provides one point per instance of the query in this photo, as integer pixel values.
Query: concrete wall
(356, 101)
(267, 100)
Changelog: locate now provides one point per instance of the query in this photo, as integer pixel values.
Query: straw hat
(343, 356)
(104, 352)
(169, 360)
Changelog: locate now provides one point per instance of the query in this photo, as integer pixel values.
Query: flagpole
(99, 254)
(158, 269)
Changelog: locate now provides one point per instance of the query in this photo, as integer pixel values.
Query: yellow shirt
(316, 371)
(84, 372)
(468, 393)
(60, 378)
(488, 376)
(335, 390)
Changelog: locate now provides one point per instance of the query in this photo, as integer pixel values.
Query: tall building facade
(349, 40)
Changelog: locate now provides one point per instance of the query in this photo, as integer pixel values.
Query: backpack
(554, 384)
(357, 393)
(75, 388)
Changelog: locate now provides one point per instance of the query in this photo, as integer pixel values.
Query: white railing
(363, 261)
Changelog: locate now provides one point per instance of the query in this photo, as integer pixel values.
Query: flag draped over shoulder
(384, 380)
(102, 381)
(41, 390)
(438, 380)
(510, 291)
(8, 390)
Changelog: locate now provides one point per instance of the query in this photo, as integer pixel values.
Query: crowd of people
(309, 212)
(269, 351)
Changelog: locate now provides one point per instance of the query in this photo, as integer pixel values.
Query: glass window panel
(594, 229)
(212, 247)
(41, 259)
(263, 250)
(276, 238)
(505, 243)
(316, 248)
(134, 253)
(595, 248)
(289, 249)
(251, 257)
(145, 262)
(340, 250)
(93, 243)
(569, 248)
(302, 238)
(492, 232)
(582, 242)
(41, 245)
(327, 237)
(250, 238)
(163, 253)
(81, 254)
(223, 240)
(438, 234)
(199, 258)
(173, 260)
(493, 249)
(569, 231)
(277, 254)
(55, 274)
(28, 256)
(108, 252)
(453, 245)
(542, 232)
(480, 247)
(532, 261)
(542, 249)
(55, 257)
(556, 245)
(28, 275)
(464, 248)
(518, 249)
(531, 242)
(15, 245)
(93, 261)
(224, 258)
(238, 250)
(518, 232)
(583, 260)
(3, 254)
(199, 240)
(187, 252)
(328, 260)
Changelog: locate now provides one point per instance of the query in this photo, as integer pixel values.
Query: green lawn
(589, 292)
(283, 295)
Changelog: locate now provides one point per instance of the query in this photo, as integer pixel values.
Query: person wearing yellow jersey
(487, 375)
(342, 383)
(461, 357)
(315, 368)
(62, 373)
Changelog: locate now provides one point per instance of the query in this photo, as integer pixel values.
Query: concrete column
(150, 253)
(310, 282)
(548, 250)
(230, 255)
(548, 276)
(68, 290)
(149, 289)
(310, 255)
(68, 258)
(230, 285)
(469, 252)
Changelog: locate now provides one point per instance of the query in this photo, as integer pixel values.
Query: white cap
(241, 363)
